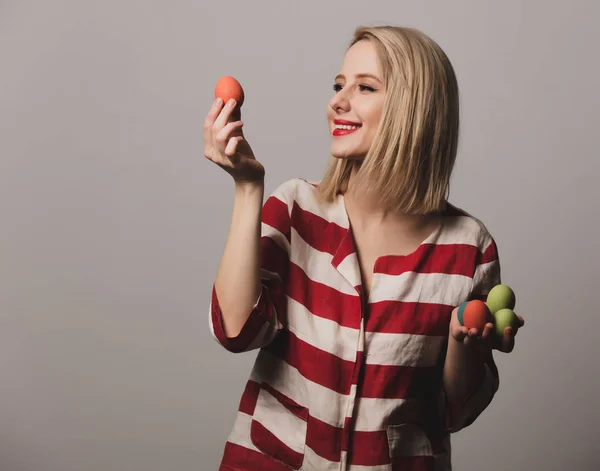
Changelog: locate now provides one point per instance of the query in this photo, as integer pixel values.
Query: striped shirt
(346, 383)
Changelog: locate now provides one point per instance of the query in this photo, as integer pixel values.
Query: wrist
(249, 188)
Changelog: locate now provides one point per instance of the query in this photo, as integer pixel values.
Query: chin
(346, 154)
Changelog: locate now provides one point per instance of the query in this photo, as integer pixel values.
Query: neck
(366, 212)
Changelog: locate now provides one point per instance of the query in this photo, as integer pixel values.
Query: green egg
(504, 318)
(501, 297)
(461, 310)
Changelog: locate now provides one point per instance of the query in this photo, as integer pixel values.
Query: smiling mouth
(344, 129)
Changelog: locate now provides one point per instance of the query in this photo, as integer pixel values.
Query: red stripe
(240, 458)
(322, 300)
(274, 258)
(369, 448)
(398, 382)
(249, 331)
(345, 248)
(324, 439)
(366, 448)
(490, 254)
(397, 317)
(313, 363)
(265, 441)
(275, 214)
(316, 231)
(249, 397)
(451, 259)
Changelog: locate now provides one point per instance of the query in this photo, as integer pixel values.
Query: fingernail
(231, 102)
(217, 101)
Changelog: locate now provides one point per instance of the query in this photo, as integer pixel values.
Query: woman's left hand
(488, 338)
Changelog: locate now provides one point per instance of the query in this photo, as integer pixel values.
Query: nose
(340, 102)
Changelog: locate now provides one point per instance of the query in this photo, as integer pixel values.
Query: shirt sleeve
(486, 276)
(267, 316)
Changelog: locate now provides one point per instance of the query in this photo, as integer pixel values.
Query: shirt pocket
(410, 448)
(278, 428)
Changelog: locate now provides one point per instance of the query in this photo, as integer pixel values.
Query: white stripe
(381, 467)
(350, 268)
(465, 230)
(324, 334)
(438, 288)
(317, 266)
(265, 335)
(285, 192)
(313, 461)
(373, 413)
(408, 440)
(240, 436)
(210, 321)
(288, 428)
(487, 275)
(351, 401)
(323, 403)
(308, 199)
(402, 349)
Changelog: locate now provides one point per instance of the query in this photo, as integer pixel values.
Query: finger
(459, 333)
(508, 340)
(223, 137)
(488, 331)
(231, 149)
(470, 336)
(224, 116)
(210, 119)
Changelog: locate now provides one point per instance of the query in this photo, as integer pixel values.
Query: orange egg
(476, 315)
(227, 87)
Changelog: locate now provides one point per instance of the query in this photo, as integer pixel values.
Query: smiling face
(355, 110)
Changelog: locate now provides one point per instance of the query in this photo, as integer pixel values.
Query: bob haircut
(409, 164)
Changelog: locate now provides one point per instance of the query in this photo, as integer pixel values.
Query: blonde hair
(410, 161)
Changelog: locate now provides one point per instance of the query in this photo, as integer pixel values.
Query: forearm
(464, 369)
(237, 283)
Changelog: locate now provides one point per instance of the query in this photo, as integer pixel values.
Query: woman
(348, 287)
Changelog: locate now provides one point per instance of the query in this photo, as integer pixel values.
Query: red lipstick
(344, 132)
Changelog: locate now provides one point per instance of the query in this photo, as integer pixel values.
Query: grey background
(112, 222)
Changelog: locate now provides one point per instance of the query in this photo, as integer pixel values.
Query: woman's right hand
(225, 145)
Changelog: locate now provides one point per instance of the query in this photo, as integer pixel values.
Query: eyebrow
(374, 77)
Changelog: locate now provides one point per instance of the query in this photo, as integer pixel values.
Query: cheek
(376, 113)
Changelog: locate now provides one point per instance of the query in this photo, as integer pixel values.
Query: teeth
(345, 126)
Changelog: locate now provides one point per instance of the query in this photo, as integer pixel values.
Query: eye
(337, 87)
